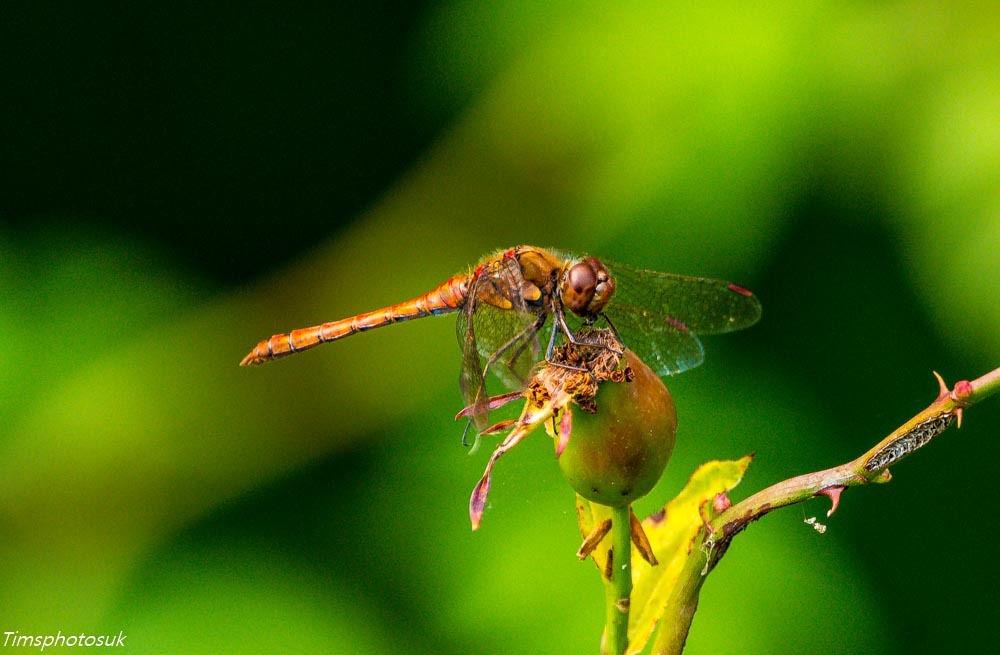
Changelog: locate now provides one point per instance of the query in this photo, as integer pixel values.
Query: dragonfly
(516, 304)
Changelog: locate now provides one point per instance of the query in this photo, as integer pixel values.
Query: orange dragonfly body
(448, 297)
(504, 304)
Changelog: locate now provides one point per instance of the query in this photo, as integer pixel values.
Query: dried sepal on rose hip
(614, 444)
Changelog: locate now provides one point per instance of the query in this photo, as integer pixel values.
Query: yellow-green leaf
(672, 534)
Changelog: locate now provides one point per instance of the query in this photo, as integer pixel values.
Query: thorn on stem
(833, 493)
(942, 387)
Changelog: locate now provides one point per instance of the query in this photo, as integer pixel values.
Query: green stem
(870, 467)
(619, 585)
(983, 387)
(681, 607)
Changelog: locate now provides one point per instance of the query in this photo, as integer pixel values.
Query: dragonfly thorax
(586, 287)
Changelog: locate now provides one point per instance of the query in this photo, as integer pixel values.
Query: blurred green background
(180, 181)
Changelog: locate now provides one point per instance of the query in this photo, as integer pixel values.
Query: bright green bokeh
(839, 159)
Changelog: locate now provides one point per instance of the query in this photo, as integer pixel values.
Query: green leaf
(672, 537)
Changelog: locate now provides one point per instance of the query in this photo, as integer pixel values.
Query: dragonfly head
(587, 287)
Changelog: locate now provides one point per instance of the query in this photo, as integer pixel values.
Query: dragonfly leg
(576, 340)
(618, 337)
(465, 437)
(561, 321)
(583, 341)
(524, 342)
(481, 392)
(520, 336)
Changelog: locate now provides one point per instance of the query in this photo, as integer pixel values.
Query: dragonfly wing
(704, 305)
(470, 380)
(497, 332)
(508, 343)
(660, 315)
(662, 342)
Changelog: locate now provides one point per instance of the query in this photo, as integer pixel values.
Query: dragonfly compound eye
(587, 288)
(604, 290)
(579, 287)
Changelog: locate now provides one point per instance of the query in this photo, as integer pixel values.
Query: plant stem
(719, 522)
(681, 607)
(619, 583)
(871, 467)
(982, 387)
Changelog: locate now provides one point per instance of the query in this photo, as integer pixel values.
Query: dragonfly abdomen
(448, 297)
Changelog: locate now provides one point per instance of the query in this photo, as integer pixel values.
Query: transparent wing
(665, 344)
(659, 315)
(498, 333)
(704, 305)
(470, 379)
(507, 343)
